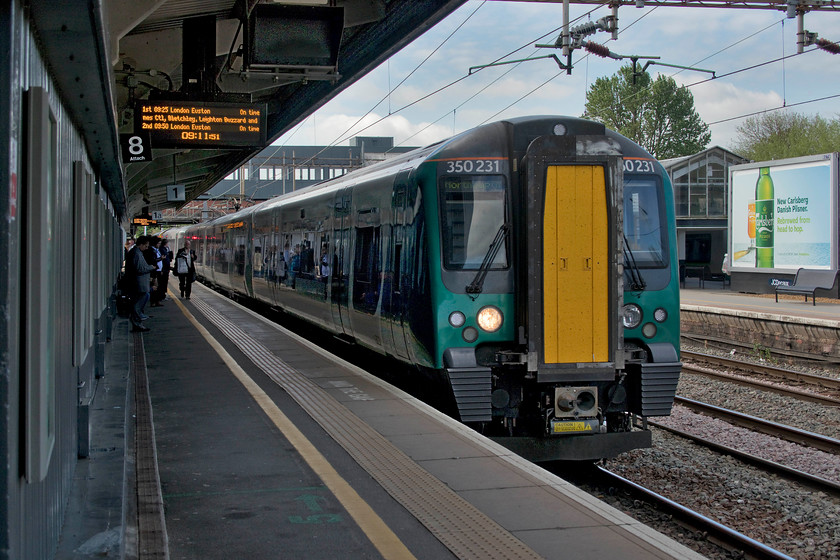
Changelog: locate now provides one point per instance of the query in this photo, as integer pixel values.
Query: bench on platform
(807, 282)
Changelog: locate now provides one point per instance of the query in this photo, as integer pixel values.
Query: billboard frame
(832, 160)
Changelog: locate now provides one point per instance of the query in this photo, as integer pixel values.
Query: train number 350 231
(473, 166)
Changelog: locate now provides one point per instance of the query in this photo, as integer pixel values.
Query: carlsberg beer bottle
(764, 205)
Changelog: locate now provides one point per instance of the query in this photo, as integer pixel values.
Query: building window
(680, 180)
(235, 175)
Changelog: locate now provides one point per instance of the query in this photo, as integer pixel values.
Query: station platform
(250, 442)
(713, 296)
(790, 326)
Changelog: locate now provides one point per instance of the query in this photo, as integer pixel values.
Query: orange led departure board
(181, 124)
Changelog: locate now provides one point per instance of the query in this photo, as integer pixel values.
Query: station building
(701, 194)
(278, 170)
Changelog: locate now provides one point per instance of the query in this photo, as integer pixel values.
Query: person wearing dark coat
(137, 271)
(185, 269)
(166, 267)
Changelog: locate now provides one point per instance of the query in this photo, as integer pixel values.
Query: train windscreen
(644, 223)
(473, 211)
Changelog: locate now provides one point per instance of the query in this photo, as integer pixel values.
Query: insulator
(587, 28)
(828, 46)
(597, 49)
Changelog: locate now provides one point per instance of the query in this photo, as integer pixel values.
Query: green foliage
(763, 354)
(656, 114)
(779, 135)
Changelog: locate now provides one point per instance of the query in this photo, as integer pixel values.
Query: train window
(473, 208)
(366, 269)
(644, 219)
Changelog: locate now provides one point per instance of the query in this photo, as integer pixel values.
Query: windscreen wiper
(477, 284)
(637, 283)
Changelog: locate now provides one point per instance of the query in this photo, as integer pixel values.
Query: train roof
(525, 129)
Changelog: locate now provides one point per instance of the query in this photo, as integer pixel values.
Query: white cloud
(716, 39)
(340, 128)
(719, 101)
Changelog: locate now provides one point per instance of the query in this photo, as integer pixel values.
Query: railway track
(727, 344)
(825, 382)
(787, 391)
(788, 433)
(813, 481)
(738, 544)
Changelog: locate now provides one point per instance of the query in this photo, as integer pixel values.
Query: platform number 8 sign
(136, 147)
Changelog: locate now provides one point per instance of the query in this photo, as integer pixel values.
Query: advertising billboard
(783, 215)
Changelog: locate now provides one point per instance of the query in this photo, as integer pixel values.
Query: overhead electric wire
(341, 137)
(511, 69)
(786, 106)
(637, 20)
(344, 136)
(716, 77)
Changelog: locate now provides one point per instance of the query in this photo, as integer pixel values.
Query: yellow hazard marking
(575, 265)
(563, 427)
(380, 535)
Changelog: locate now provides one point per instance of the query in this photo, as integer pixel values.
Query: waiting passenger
(185, 269)
(157, 294)
(166, 267)
(137, 272)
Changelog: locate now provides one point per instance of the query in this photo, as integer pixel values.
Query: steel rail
(787, 374)
(788, 433)
(811, 480)
(717, 533)
(779, 389)
(728, 342)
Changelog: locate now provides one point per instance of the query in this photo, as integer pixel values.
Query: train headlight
(457, 319)
(649, 330)
(631, 316)
(660, 315)
(489, 318)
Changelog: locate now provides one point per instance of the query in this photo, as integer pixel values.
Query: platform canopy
(222, 77)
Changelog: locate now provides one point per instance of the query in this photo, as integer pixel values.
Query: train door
(398, 255)
(342, 223)
(276, 270)
(365, 287)
(572, 238)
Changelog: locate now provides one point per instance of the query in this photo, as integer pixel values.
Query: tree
(778, 135)
(656, 114)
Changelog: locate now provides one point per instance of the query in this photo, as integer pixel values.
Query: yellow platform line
(379, 534)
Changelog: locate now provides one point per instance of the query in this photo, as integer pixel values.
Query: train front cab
(575, 386)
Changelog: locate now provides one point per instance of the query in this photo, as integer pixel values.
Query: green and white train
(530, 264)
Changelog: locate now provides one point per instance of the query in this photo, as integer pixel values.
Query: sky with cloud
(426, 92)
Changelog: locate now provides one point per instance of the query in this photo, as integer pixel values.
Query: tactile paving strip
(462, 528)
(152, 541)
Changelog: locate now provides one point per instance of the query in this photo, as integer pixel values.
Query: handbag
(181, 266)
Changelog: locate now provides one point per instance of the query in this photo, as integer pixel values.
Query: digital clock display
(179, 124)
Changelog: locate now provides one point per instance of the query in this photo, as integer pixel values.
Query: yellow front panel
(575, 265)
